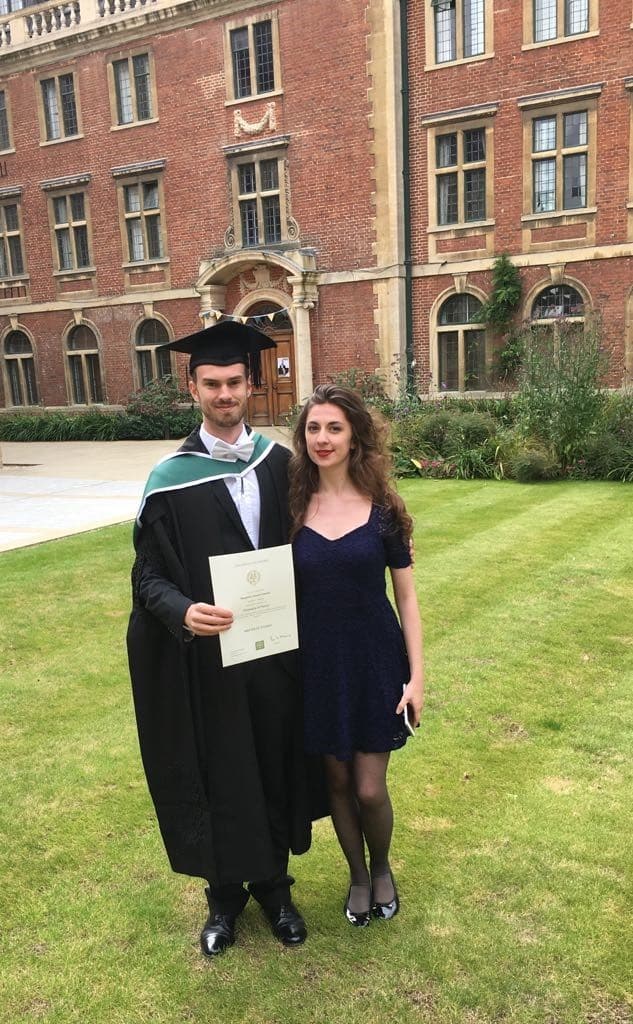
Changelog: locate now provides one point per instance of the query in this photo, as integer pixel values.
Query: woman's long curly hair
(369, 463)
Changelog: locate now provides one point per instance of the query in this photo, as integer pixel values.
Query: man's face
(222, 393)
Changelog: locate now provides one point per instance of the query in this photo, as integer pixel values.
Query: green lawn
(513, 805)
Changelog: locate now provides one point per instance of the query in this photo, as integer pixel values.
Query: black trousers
(232, 898)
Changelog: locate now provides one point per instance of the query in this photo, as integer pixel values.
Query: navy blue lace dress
(353, 655)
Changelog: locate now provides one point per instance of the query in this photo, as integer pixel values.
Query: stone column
(212, 296)
(304, 298)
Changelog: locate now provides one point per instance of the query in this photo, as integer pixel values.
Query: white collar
(210, 440)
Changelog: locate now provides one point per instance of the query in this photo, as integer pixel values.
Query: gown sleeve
(397, 553)
(153, 586)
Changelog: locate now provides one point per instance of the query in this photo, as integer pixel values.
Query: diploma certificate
(259, 588)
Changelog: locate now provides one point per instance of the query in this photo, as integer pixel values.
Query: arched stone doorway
(261, 277)
(270, 404)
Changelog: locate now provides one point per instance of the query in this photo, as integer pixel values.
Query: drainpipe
(406, 197)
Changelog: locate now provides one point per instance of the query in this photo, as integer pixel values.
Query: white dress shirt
(243, 489)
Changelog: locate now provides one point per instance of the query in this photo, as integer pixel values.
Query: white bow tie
(225, 452)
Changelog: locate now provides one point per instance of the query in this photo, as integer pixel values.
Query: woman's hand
(413, 696)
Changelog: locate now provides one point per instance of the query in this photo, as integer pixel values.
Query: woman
(363, 673)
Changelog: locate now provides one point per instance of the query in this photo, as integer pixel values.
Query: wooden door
(269, 404)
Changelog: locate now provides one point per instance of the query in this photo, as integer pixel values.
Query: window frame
(71, 225)
(552, 105)
(562, 7)
(128, 56)
(41, 107)
(460, 122)
(462, 330)
(82, 356)
(9, 148)
(258, 156)
(126, 216)
(249, 23)
(460, 58)
(5, 233)
(19, 359)
(553, 323)
(556, 317)
(459, 170)
(151, 348)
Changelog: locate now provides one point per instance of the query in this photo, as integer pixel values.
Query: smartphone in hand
(408, 725)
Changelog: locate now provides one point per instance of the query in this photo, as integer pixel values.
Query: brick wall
(511, 73)
(323, 109)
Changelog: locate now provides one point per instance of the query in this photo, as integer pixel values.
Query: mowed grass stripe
(475, 572)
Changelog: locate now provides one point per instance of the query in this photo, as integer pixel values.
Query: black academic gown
(222, 748)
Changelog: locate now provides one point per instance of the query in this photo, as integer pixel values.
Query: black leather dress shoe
(386, 911)
(287, 924)
(218, 934)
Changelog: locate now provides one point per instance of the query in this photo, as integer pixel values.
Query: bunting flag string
(259, 319)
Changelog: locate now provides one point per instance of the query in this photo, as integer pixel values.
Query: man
(221, 747)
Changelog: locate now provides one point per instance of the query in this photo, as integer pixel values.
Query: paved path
(51, 489)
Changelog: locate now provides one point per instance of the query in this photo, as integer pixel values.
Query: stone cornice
(67, 182)
(546, 99)
(254, 145)
(474, 113)
(144, 167)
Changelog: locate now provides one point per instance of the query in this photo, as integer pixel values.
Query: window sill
(479, 58)
(146, 264)
(254, 98)
(465, 393)
(133, 124)
(266, 247)
(561, 39)
(74, 407)
(471, 228)
(78, 272)
(560, 216)
(59, 142)
(7, 152)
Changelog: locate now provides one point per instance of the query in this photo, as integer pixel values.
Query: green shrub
(560, 400)
(434, 430)
(97, 426)
(503, 301)
(369, 385)
(509, 358)
(605, 457)
(469, 430)
(437, 468)
(532, 463)
(617, 416)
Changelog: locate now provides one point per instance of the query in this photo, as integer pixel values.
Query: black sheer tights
(363, 821)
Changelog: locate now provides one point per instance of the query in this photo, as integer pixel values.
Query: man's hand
(207, 619)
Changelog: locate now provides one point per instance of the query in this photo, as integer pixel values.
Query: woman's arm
(407, 605)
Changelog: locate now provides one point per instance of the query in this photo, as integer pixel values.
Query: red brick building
(521, 142)
(163, 161)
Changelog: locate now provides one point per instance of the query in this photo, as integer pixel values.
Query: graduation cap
(223, 344)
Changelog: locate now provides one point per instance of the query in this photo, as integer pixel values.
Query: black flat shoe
(287, 924)
(385, 911)
(218, 934)
(360, 919)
